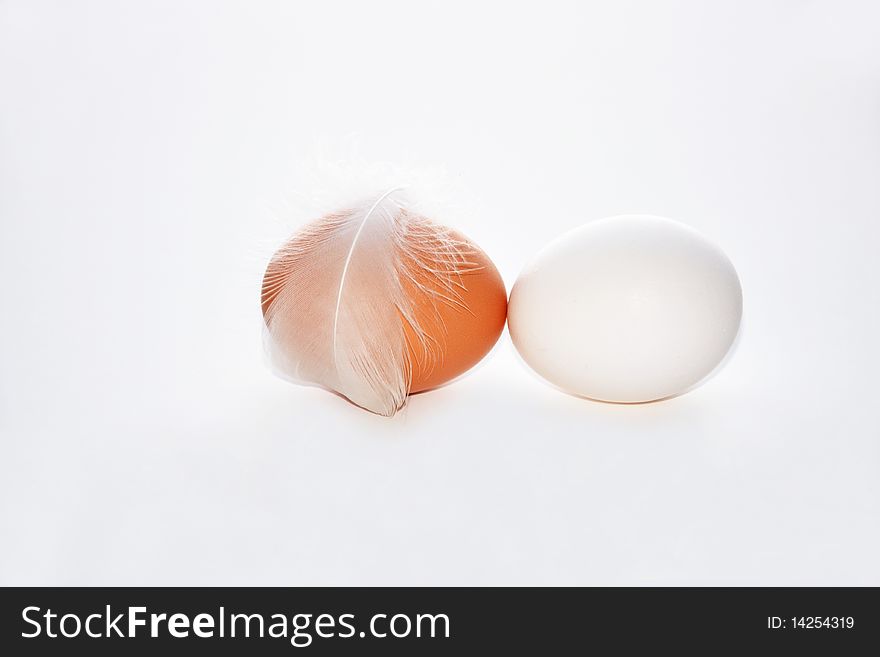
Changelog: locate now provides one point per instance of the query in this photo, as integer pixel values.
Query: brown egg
(462, 325)
(465, 330)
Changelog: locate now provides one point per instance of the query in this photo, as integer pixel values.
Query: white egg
(626, 309)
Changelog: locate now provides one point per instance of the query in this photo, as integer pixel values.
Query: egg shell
(626, 309)
(466, 327)
(462, 329)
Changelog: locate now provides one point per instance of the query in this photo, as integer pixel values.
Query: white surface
(633, 308)
(142, 148)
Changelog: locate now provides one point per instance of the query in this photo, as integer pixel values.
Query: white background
(145, 149)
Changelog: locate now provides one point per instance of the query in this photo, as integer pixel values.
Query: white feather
(341, 290)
